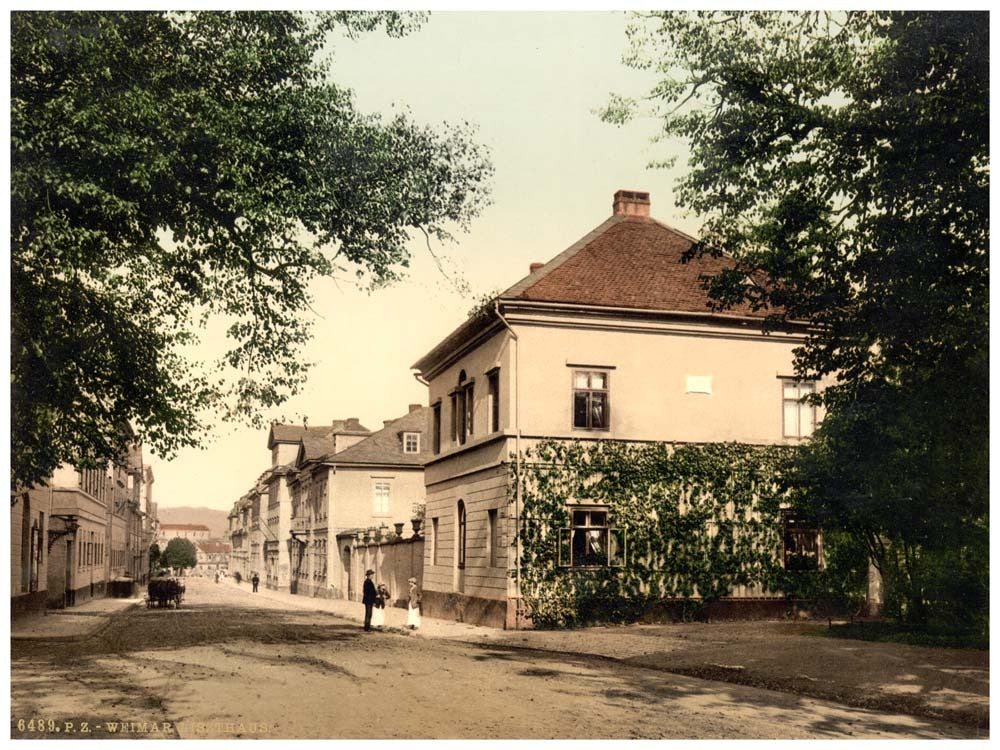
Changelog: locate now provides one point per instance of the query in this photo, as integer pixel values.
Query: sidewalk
(71, 623)
(395, 617)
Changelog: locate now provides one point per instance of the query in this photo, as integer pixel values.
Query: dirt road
(229, 665)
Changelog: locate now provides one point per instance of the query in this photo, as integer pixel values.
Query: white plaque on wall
(698, 384)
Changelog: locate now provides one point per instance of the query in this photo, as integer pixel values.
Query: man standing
(368, 598)
(255, 581)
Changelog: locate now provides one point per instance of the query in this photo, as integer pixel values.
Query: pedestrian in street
(255, 581)
(368, 596)
(378, 614)
(413, 610)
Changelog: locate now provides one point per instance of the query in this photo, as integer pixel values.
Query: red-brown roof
(632, 262)
(185, 526)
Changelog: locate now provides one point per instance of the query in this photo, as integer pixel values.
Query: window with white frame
(411, 442)
(590, 541)
(798, 415)
(590, 400)
(382, 490)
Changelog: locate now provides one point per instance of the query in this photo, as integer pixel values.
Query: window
(590, 400)
(493, 386)
(382, 493)
(411, 442)
(798, 416)
(590, 542)
(436, 427)
(493, 540)
(461, 410)
(460, 541)
(801, 543)
(434, 541)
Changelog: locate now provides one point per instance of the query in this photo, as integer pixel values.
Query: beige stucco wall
(494, 352)
(352, 504)
(648, 372)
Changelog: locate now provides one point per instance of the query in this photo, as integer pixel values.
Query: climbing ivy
(699, 521)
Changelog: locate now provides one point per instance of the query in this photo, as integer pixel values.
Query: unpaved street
(228, 664)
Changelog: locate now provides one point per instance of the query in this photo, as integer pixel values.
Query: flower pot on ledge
(399, 529)
(416, 523)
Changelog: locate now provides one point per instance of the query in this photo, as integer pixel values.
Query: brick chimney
(386, 423)
(534, 267)
(631, 203)
(352, 423)
(414, 407)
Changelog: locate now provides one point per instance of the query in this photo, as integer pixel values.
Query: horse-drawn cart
(162, 592)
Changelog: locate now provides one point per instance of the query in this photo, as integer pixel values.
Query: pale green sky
(531, 82)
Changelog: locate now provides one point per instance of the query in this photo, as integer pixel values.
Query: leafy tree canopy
(844, 159)
(171, 171)
(179, 553)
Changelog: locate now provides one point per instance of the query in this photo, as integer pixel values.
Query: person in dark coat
(368, 596)
(255, 581)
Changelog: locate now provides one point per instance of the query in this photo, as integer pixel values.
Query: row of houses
(81, 532)
(612, 339)
(327, 489)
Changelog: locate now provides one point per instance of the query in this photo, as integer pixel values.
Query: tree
(180, 553)
(175, 172)
(154, 556)
(843, 160)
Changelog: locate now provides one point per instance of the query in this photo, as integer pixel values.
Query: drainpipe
(517, 449)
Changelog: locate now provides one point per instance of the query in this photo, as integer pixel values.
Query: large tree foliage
(177, 171)
(843, 160)
(180, 553)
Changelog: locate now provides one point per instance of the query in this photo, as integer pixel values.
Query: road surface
(230, 665)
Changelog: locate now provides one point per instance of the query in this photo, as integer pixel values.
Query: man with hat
(368, 598)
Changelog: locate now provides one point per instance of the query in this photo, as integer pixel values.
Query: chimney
(386, 423)
(414, 407)
(353, 423)
(631, 203)
(534, 267)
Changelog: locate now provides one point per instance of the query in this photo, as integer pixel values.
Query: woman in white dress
(413, 610)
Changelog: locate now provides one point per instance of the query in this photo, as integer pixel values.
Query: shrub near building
(613, 531)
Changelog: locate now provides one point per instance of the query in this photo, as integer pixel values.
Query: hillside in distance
(216, 520)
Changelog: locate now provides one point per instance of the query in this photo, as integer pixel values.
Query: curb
(103, 621)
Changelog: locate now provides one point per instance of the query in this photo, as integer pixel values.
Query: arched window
(461, 533)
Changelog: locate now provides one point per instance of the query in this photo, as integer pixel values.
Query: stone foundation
(461, 608)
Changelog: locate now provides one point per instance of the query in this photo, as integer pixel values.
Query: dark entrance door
(70, 593)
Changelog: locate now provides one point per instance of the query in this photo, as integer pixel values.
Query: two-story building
(287, 443)
(70, 538)
(338, 492)
(614, 338)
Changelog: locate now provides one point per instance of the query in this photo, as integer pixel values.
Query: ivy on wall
(699, 520)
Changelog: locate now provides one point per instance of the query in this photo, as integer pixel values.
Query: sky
(531, 82)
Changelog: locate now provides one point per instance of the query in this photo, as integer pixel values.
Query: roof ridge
(523, 285)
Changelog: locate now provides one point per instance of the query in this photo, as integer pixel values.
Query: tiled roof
(629, 261)
(386, 445)
(292, 433)
(632, 262)
(185, 526)
(214, 547)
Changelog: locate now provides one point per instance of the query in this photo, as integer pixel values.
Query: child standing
(413, 610)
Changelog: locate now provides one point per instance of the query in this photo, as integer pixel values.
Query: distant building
(193, 531)
(213, 557)
(338, 494)
(260, 521)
